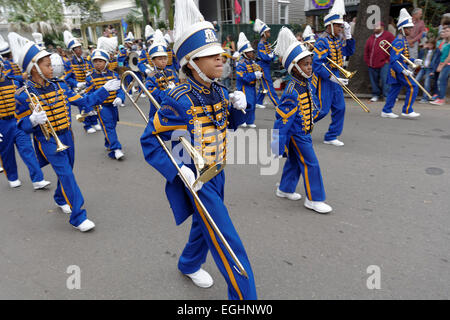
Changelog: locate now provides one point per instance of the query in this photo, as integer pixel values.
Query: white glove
(342, 80)
(81, 85)
(148, 72)
(1, 136)
(112, 85)
(117, 102)
(419, 62)
(190, 177)
(171, 85)
(271, 55)
(258, 75)
(238, 100)
(92, 113)
(347, 30)
(236, 55)
(38, 118)
(408, 73)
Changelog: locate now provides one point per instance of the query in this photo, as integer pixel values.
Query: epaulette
(290, 87)
(179, 90)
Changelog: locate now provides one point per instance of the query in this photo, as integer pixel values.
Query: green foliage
(89, 9)
(433, 11)
(30, 11)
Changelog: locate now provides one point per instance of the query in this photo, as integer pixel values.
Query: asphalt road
(389, 188)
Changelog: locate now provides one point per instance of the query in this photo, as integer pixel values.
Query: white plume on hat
(404, 16)
(20, 46)
(130, 37)
(286, 43)
(259, 25)
(148, 31)
(38, 39)
(68, 37)
(242, 41)
(4, 46)
(168, 38)
(160, 42)
(308, 33)
(186, 15)
(337, 9)
(109, 44)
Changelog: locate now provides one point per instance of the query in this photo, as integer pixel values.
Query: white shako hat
(308, 35)
(149, 32)
(26, 53)
(159, 45)
(260, 27)
(129, 38)
(290, 50)
(336, 13)
(194, 37)
(4, 46)
(404, 19)
(38, 39)
(109, 44)
(243, 44)
(70, 41)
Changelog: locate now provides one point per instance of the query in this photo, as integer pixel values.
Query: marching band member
(56, 99)
(123, 55)
(162, 79)
(309, 38)
(399, 77)
(247, 74)
(11, 69)
(172, 61)
(200, 106)
(108, 115)
(144, 63)
(265, 56)
(13, 136)
(326, 87)
(294, 124)
(76, 70)
(111, 46)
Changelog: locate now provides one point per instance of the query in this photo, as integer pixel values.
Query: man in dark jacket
(378, 61)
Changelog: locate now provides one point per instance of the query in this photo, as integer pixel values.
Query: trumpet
(205, 173)
(47, 128)
(345, 73)
(383, 45)
(166, 84)
(346, 89)
(82, 116)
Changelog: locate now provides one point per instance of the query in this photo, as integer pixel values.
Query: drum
(57, 65)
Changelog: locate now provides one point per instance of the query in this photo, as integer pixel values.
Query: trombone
(346, 89)
(47, 128)
(345, 73)
(204, 173)
(383, 44)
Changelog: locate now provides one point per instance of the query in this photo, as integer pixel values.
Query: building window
(283, 12)
(226, 11)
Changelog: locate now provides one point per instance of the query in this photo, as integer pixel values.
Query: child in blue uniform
(326, 87)
(399, 77)
(202, 108)
(247, 74)
(56, 100)
(108, 113)
(13, 136)
(294, 124)
(163, 78)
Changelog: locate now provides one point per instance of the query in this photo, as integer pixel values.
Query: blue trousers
(202, 239)
(108, 116)
(425, 73)
(331, 96)
(62, 162)
(442, 81)
(250, 94)
(411, 93)
(302, 160)
(14, 136)
(378, 79)
(268, 85)
(90, 121)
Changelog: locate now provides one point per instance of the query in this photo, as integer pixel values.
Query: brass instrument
(132, 59)
(82, 116)
(166, 84)
(345, 73)
(204, 173)
(47, 128)
(258, 68)
(383, 44)
(346, 89)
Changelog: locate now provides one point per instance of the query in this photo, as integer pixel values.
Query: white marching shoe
(252, 125)
(201, 278)
(334, 142)
(65, 208)
(41, 184)
(98, 127)
(411, 115)
(291, 196)
(118, 154)
(91, 130)
(86, 225)
(15, 183)
(318, 206)
(389, 115)
(260, 106)
(244, 125)
(1, 169)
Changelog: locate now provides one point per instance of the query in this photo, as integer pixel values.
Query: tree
(89, 9)
(369, 11)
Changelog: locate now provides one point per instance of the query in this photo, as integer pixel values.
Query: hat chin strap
(301, 72)
(40, 72)
(200, 72)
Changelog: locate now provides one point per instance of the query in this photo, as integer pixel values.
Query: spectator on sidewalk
(378, 61)
(416, 33)
(430, 63)
(444, 66)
